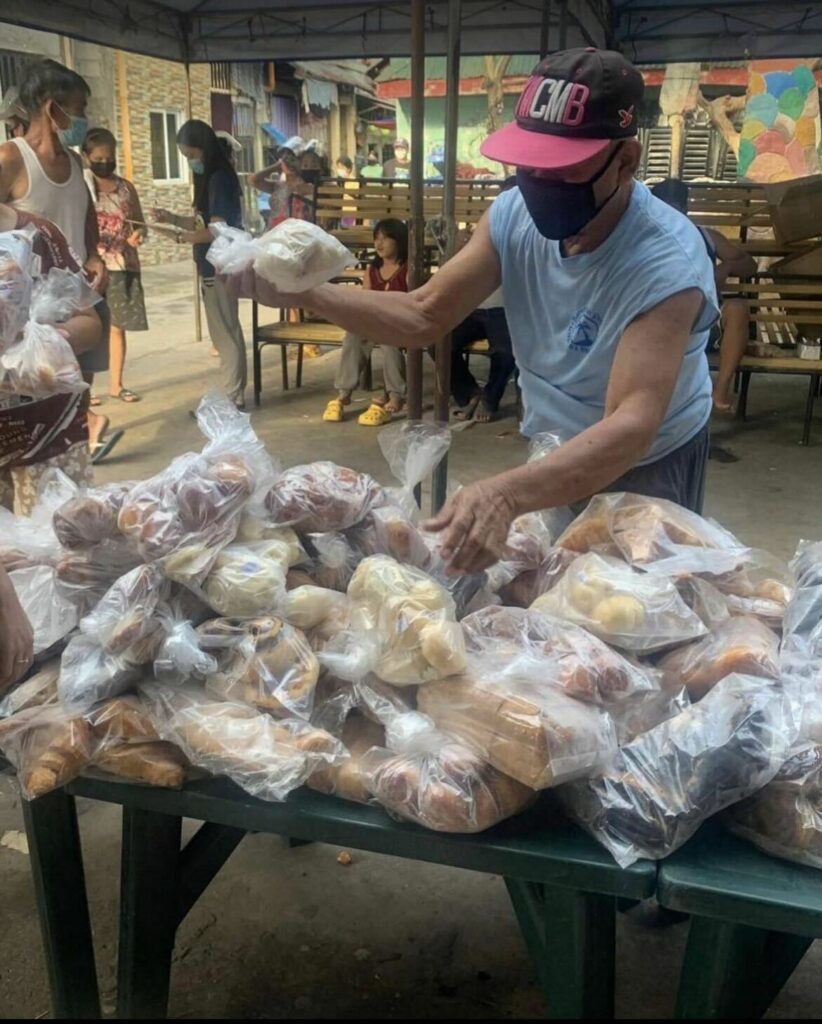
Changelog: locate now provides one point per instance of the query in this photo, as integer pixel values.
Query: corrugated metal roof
(346, 72)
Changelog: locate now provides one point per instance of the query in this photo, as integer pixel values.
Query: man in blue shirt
(609, 295)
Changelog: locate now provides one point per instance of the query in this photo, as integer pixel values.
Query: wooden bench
(564, 887)
(284, 333)
(776, 307)
(752, 919)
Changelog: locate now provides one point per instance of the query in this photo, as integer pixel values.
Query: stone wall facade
(158, 85)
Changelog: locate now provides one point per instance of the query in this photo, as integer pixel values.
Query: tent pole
(563, 24)
(198, 317)
(442, 391)
(417, 236)
(545, 28)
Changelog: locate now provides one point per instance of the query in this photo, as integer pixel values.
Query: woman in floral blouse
(121, 228)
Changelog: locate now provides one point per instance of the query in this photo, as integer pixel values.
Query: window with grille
(166, 162)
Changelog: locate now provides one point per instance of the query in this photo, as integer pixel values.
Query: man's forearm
(582, 466)
(400, 319)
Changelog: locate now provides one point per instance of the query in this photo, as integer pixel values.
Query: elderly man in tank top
(40, 176)
(609, 296)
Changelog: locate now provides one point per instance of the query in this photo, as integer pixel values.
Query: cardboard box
(796, 208)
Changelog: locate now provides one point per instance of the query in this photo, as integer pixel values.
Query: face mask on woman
(103, 168)
(196, 164)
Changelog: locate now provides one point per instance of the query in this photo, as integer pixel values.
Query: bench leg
(742, 405)
(62, 905)
(284, 365)
(571, 938)
(732, 971)
(149, 912)
(806, 430)
(257, 364)
(300, 350)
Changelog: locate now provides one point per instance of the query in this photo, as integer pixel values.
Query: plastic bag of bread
(265, 757)
(434, 780)
(762, 586)
(90, 516)
(182, 517)
(646, 531)
(151, 764)
(646, 710)
(122, 719)
(704, 600)
(51, 614)
(48, 745)
(535, 733)
(785, 817)
(639, 612)
(245, 581)
(321, 497)
(294, 255)
(513, 643)
(89, 673)
(806, 564)
(16, 280)
(348, 779)
(662, 786)
(742, 644)
(413, 449)
(264, 662)
(125, 621)
(42, 363)
(39, 689)
(84, 577)
(409, 618)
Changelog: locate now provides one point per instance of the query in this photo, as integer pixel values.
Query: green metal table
(752, 919)
(563, 886)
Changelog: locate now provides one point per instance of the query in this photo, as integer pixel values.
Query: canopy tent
(648, 31)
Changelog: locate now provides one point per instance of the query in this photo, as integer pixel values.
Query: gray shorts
(678, 476)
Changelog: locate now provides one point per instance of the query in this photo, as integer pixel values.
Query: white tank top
(63, 204)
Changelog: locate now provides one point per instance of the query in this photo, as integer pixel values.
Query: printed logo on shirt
(554, 100)
(583, 330)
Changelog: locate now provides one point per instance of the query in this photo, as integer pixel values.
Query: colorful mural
(781, 132)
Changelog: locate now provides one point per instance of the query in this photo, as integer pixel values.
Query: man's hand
(96, 270)
(474, 524)
(16, 635)
(135, 239)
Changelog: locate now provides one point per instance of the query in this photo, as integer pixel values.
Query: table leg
(62, 905)
(732, 971)
(571, 938)
(149, 912)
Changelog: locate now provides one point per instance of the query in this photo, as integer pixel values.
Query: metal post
(198, 319)
(563, 24)
(442, 391)
(545, 28)
(417, 236)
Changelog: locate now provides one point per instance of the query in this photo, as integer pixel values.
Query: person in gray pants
(217, 198)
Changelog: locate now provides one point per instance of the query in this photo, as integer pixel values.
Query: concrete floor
(287, 933)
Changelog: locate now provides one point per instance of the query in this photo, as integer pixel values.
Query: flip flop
(374, 416)
(104, 448)
(95, 400)
(127, 395)
(333, 411)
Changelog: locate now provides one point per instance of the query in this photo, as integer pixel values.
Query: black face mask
(560, 209)
(103, 168)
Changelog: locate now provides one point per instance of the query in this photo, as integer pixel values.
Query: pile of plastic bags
(297, 627)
